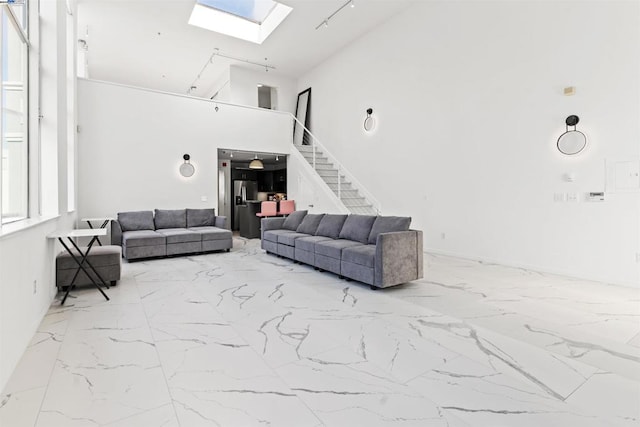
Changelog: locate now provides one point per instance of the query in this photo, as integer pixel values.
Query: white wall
(468, 99)
(244, 88)
(27, 257)
(132, 140)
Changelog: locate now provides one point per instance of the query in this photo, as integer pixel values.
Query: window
(14, 136)
(252, 20)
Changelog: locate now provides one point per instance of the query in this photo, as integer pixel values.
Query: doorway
(267, 97)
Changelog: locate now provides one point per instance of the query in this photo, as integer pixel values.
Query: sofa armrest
(267, 224)
(116, 233)
(221, 222)
(399, 258)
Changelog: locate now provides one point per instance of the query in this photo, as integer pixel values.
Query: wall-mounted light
(572, 141)
(256, 163)
(369, 121)
(187, 169)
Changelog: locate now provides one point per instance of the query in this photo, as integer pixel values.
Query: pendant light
(256, 163)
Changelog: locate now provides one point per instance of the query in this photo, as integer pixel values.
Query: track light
(325, 22)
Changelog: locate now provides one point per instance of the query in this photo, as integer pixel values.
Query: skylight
(252, 20)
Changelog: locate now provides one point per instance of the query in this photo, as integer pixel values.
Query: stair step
(318, 160)
(355, 202)
(347, 194)
(333, 180)
(329, 173)
(363, 210)
(323, 166)
(306, 148)
(344, 186)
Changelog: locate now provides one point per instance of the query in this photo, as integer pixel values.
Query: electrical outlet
(35, 286)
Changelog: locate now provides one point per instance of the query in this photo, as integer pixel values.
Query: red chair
(287, 207)
(268, 209)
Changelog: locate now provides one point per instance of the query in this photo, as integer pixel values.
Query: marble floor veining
(248, 339)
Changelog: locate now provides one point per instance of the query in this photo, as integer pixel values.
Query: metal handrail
(315, 142)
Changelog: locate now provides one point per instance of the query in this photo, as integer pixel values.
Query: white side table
(83, 259)
(103, 223)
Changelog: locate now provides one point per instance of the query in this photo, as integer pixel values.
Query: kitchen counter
(249, 222)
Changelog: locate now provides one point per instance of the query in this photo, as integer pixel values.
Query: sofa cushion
(201, 218)
(309, 243)
(386, 224)
(357, 228)
(212, 233)
(330, 225)
(99, 256)
(179, 235)
(294, 220)
(176, 218)
(143, 238)
(333, 248)
(272, 235)
(310, 223)
(362, 255)
(133, 221)
(289, 239)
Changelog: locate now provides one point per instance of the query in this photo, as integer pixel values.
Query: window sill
(16, 227)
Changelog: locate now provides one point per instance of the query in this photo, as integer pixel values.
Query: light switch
(627, 175)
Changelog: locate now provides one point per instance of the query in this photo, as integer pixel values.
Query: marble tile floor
(248, 339)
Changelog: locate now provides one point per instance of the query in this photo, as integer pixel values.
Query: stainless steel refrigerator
(242, 191)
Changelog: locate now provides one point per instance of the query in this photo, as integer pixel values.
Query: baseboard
(530, 267)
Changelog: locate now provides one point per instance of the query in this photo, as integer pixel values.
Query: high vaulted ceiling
(149, 43)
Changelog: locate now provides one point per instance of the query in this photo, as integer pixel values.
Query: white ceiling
(148, 43)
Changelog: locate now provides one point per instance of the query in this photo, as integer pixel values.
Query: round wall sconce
(187, 169)
(369, 121)
(572, 141)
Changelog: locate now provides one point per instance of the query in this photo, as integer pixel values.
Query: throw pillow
(330, 225)
(170, 218)
(386, 224)
(357, 228)
(134, 221)
(310, 223)
(293, 220)
(201, 217)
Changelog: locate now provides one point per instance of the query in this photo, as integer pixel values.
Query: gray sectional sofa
(380, 251)
(170, 232)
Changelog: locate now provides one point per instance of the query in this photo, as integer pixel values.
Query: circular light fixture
(369, 122)
(572, 141)
(187, 169)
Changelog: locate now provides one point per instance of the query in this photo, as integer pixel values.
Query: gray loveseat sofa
(380, 251)
(170, 232)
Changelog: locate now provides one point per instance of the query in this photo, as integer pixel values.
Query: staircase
(337, 182)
